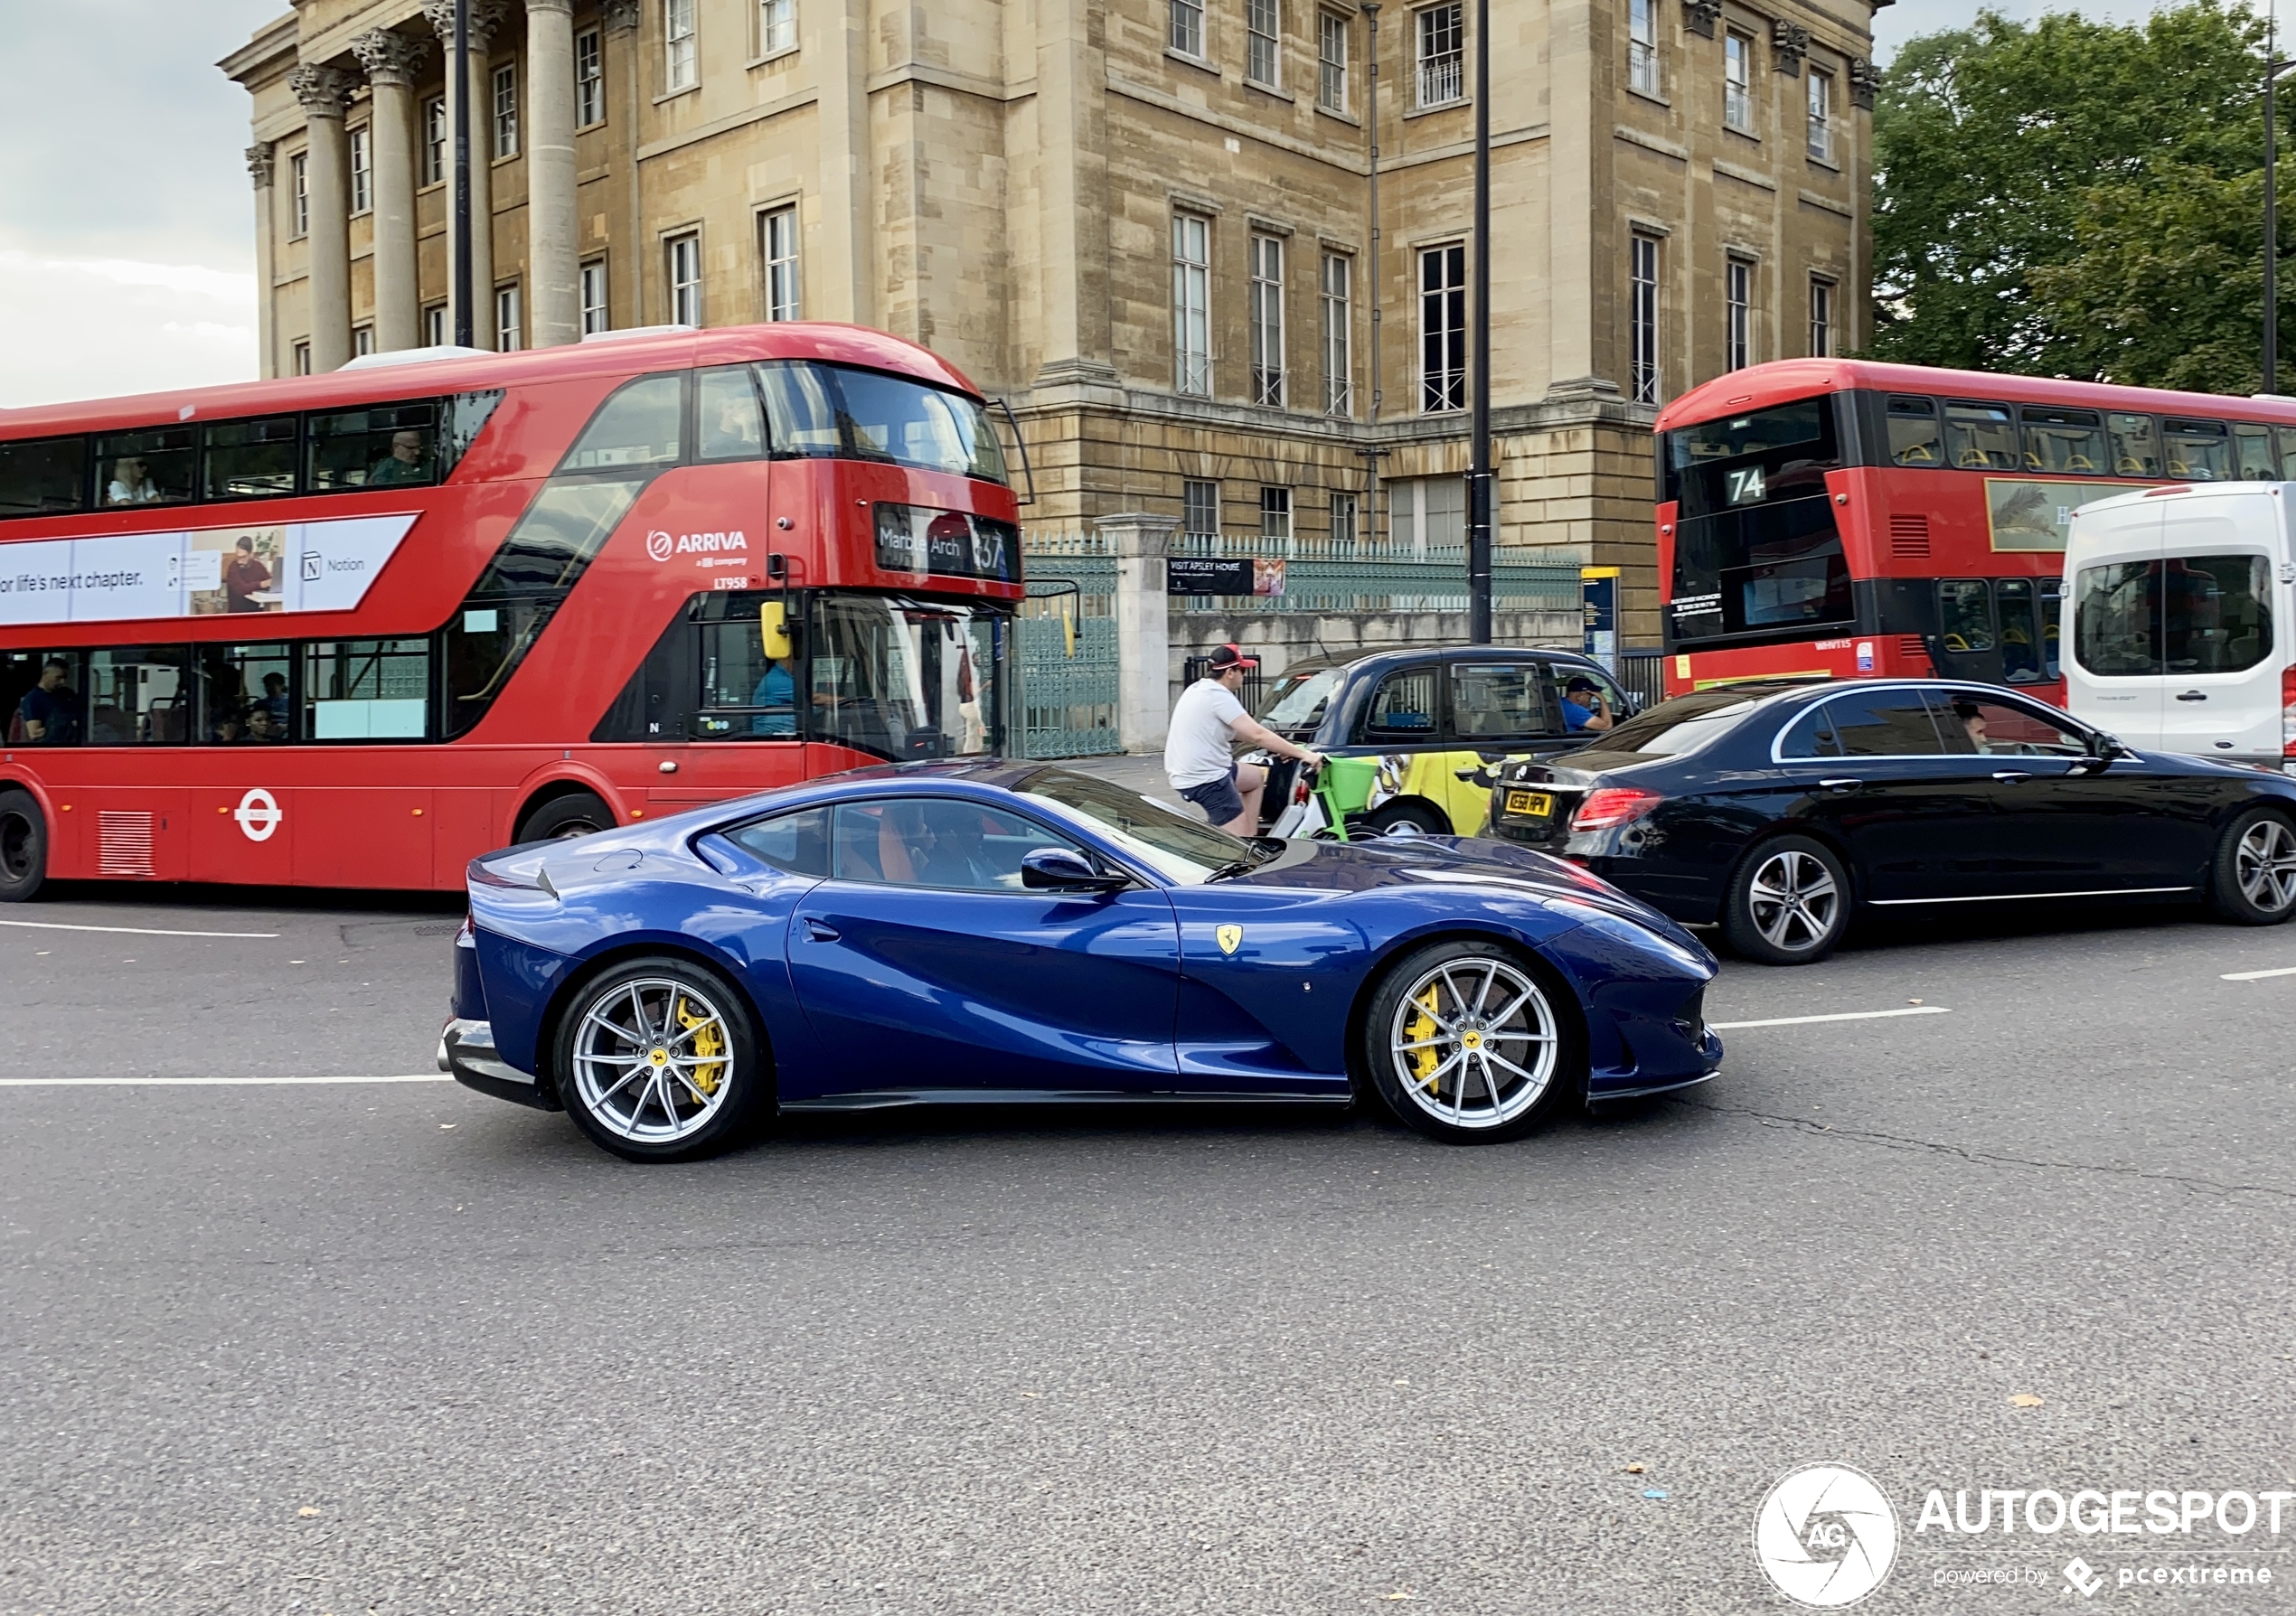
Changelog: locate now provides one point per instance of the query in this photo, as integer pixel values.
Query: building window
(1643, 296)
(1275, 513)
(363, 341)
(777, 27)
(1820, 318)
(1263, 40)
(362, 171)
(1821, 116)
(685, 254)
(778, 246)
(1191, 329)
(589, 79)
(434, 326)
(510, 319)
(1339, 334)
(1443, 328)
(506, 111)
(1738, 287)
(299, 187)
(434, 140)
(1641, 46)
(594, 316)
(303, 359)
(1343, 522)
(681, 60)
(1187, 34)
(1266, 310)
(1426, 513)
(1442, 40)
(1200, 510)
(1737, 82)
(1331, 61)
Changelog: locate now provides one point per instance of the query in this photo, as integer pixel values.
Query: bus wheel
(657, 1061)
(578, 813)
(24, 846)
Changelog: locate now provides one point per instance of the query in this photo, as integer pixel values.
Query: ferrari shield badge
(1230, 938)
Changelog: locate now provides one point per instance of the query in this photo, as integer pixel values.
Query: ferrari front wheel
(658, 1060)
(1467, 1043)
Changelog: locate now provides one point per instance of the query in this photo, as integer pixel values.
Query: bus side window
(2200, 451)
(2136, 450)
(2252, 455)
(1964, 615)
(250, 458)
(2069, 441)
(1914, 439)
(801, 411)
(1982, 436)
(730, 424)
(159, 467)
(42, 478)
(2020, 633)
(2286, 438)
(385, 445)
(639, 425)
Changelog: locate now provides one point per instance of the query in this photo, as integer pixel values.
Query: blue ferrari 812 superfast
(1004, 931)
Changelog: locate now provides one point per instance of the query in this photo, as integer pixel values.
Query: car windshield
(1173, 845)
(1300, 698)
(1682, 725)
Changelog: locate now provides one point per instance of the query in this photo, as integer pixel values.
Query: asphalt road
(395, 1348)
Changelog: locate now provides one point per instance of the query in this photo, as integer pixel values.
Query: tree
(2075, 198)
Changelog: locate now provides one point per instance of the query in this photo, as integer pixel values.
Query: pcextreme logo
(1826, 1536)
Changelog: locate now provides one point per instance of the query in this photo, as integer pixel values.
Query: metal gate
(1068, 671)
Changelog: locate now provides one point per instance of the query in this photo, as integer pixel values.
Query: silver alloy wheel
(2265, 863)
(1475, 1042)
(1791, 892)
(653, 1060)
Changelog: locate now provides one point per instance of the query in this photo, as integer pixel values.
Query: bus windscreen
(1757, 550)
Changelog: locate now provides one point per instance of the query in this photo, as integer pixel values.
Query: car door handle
(820, 931)
(1840, 787)
(2194, 696)
(2012, 777)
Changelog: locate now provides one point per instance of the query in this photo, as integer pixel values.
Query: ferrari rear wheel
(657, 1061)
(1466, 1043)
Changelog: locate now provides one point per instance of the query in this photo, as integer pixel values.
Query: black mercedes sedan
(1781, 808)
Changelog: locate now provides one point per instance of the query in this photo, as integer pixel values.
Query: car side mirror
(1065, 870)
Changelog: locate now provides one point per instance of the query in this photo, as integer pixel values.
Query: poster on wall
(282, 566)
(2023, 513)
(1204, 575)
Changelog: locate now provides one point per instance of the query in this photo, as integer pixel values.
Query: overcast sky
(126, 220)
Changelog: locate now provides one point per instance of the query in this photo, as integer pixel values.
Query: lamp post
(1479, 480)
(465, 319)
(2273, 70)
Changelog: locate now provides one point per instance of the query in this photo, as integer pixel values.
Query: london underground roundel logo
(259, 815)
(1826, 1536)
(658, 545)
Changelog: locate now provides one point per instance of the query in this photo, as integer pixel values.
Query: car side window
(1881, 724)
(1810, 735)
(1403, 709)
(947, 842)
(1575, 720)
(1973, 724)
(1496, 701)
(797, 843)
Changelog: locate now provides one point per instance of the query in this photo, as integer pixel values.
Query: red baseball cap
(1224, 657)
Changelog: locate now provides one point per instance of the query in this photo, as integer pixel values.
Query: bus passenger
(48, 714)
(403, 465)
(130, 485)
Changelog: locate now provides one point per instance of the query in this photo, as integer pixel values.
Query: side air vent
(123, 844)
(1909, 537)
(1911, 648)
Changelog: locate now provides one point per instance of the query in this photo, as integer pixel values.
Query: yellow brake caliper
(1420, 1029)
(707, 1042)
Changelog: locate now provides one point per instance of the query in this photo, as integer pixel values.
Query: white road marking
(1919, 1010)
(209, 1082)
(135, 931)
(2258, 975)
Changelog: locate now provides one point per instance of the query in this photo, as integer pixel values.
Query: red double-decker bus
(1833, 516)
(355, 629)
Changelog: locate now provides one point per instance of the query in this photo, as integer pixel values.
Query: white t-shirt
(1199, 748)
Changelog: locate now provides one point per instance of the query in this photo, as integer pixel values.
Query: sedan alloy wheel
(1788, 904)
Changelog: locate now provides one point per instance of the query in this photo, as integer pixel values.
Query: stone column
(391, 61)
(625, 278)
(260, 162)
(324, 92)
(849, 271)
(486, 17)
(1072, 160)
(553, 290)
(1143, 626)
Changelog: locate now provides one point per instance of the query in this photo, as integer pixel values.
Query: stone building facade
(1212, 284)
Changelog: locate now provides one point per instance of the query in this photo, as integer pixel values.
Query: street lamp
(1478, 479)
(466, 322)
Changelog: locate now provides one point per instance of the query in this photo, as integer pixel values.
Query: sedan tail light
(2288, 710)
(1614, 805)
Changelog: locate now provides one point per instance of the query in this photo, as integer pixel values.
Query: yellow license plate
(1539, 804)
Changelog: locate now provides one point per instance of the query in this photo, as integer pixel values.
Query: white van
(2178, 630)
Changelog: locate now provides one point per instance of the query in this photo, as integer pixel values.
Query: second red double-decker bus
(355, 629)
(1835, 516)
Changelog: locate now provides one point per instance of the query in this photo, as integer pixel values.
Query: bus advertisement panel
(1838, 517)
(356, 629)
